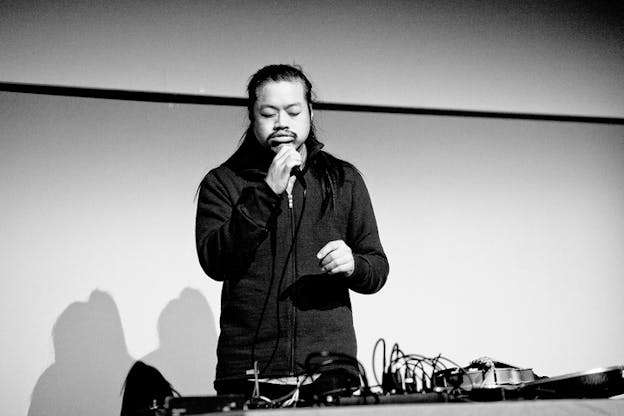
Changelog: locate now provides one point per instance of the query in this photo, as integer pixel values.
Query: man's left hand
(336, 257)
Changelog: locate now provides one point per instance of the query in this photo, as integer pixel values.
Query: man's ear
(311, 112)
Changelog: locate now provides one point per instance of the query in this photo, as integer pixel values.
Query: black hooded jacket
(276, 304)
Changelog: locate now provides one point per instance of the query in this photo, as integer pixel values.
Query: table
(505, 408)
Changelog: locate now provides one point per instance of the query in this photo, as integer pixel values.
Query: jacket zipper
(293, 262)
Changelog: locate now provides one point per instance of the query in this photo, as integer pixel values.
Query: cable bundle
(409, 373)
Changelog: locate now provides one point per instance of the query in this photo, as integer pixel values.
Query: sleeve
(228, 231)
(371, 264)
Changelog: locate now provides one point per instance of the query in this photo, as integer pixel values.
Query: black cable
(282, 275)
(266, 301)
(268, 295)
(383, 341)
(336, 360)
(415, 363)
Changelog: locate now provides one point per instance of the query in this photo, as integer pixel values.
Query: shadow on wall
(91, 361)
(187, 353)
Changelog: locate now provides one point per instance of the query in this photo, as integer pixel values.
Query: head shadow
(186, 355)
(90, 361)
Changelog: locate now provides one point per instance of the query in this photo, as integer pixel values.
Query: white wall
(504, 239)
(99, 196)
(520, 56)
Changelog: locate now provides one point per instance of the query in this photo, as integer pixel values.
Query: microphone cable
(291, 253)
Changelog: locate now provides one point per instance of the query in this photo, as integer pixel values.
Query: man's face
(281, 115)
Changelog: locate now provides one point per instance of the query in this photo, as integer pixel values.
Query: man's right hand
(280, 170)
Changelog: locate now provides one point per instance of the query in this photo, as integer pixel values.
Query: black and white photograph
(324, 207)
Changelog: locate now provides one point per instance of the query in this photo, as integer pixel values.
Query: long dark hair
(329, 169)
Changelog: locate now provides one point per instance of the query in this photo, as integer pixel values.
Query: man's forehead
(280, 91)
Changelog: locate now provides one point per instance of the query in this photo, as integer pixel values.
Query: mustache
(282, 133)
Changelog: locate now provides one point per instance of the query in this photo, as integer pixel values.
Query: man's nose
(280, 122)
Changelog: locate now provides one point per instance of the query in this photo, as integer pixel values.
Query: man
(290, 230)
